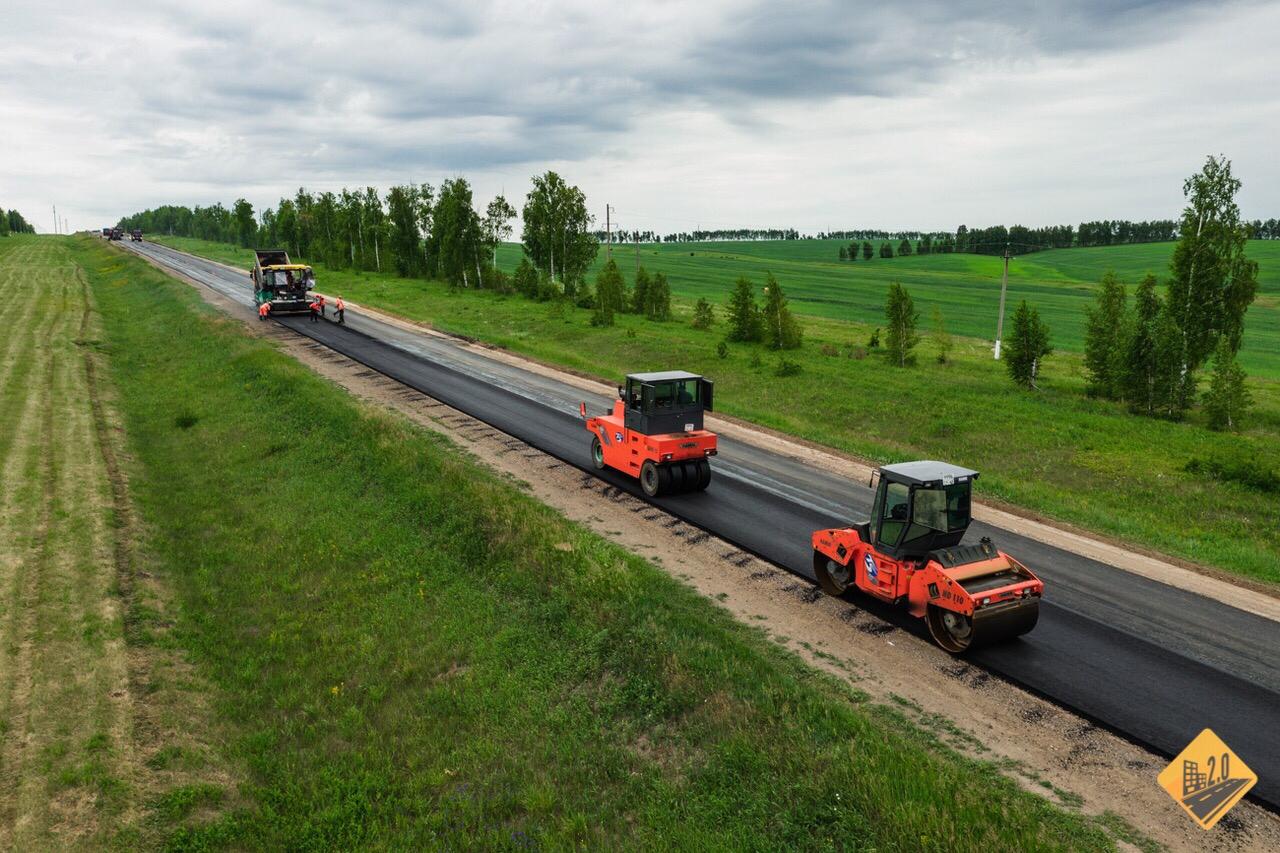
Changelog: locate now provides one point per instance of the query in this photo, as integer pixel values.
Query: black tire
(692, 474)
(651, 479)
(678, 482)
(834, 578)
(664, 479)
(704, 474)
(597, 453)
(952, 631)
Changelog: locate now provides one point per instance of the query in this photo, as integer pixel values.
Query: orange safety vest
(340, 305)
(264, 309)
(322, 301)
(315, 306)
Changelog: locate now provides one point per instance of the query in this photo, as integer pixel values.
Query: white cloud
(723, 113)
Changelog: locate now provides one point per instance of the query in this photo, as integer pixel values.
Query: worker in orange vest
(340, 309)
(322, 305)
(263, 310)
(315, 310)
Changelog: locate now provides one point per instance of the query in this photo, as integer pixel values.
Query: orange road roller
(909, 553)
(654, 432)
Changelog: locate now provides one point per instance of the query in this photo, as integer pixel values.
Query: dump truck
(116, 234)
(282, 284)
(909, 552)
(136, 235)
(106, 232)
(654, 432)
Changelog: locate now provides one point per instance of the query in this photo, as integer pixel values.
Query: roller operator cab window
(944, 510)
(894, 517)
(675, 395)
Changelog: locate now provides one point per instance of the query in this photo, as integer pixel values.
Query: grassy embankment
(1056, 452)
(102, 723)
(409, 652)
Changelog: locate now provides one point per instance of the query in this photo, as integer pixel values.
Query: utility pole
(608, 234)
(1004, 284)
(636, 238)
(55, 219)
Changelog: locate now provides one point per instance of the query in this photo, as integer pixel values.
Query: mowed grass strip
(411, 653)
(83, 711)
(1056, 452)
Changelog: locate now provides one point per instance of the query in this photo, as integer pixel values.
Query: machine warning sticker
(617, 436)
(870, 563)
(1207, 779)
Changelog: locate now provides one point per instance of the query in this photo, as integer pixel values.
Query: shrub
(722, 349)
(787, 367)
(1238, 469)
(830, 350)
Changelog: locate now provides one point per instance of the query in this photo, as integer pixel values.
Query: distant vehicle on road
(116, 234)
(106, 232)
(136, 235)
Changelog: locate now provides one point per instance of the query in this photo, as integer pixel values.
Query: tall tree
(902, 317)
(1212, 282)
(640, 292)
(557, 236)
(1106, 339)
(1227, 398)
(404, 238)
(658, 304)
(904, 248)
(743, 313)
(780, 328)
(610, 294)
(455, 239)
(497, 224)
(246, 229)
(1142, 369)
(1027, 346)
(886, 251)
(867, 250)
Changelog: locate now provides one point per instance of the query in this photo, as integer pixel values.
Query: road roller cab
(654, 432)
(910, 552)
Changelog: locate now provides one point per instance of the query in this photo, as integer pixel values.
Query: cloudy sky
(715, 113)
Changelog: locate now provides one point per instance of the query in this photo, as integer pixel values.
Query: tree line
(1149, 354)
(12, 222)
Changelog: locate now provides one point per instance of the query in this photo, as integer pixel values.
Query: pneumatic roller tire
(704, 474)
(692, 474)
(597, 453)
(677, 477)
(653, 480)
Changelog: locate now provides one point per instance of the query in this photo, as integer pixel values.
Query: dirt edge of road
(1045, 748)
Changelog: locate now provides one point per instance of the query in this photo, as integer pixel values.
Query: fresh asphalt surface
(1149, 661)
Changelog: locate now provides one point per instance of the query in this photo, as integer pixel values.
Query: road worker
(340, 310)
(315, 311)
(263, 310)
(322, 305)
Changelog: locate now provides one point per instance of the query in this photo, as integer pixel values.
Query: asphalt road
(1148, 661)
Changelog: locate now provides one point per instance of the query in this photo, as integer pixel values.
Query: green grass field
(1056, 452)
(408, 653)
(1059, 283)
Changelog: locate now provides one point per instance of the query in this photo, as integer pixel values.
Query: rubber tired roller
(654, 432)
(909, 552)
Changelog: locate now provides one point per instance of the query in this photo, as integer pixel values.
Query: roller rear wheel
(834, 578)
(597, 453)
(653, 479)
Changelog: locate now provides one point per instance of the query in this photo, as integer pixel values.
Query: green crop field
(406, 652)
(1057, 452)
(1060, 283)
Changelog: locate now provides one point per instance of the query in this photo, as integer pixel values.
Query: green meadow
(1060, 283)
